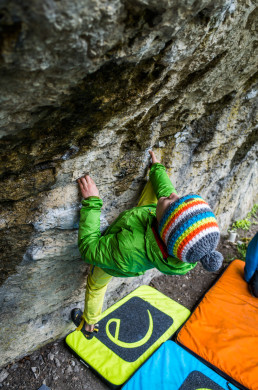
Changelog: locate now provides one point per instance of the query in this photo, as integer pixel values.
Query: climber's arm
(102, 251)
(89, 226)
(94, 248)
(159, 179)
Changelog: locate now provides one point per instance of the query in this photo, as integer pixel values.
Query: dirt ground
(54, 366)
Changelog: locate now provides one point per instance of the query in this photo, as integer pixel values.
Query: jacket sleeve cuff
(156, 166)
(160, 181)
(92, 201)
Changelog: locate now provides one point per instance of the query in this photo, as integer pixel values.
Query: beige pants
(98, 279)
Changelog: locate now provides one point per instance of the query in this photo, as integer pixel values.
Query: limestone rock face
(90, 86)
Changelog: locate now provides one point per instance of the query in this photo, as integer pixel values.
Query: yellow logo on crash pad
(122, 343)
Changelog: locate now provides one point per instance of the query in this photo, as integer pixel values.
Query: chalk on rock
(44, 387)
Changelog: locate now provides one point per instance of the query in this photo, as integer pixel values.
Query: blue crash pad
(173, 368)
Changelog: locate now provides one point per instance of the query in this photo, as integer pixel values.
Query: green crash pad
(129, 332)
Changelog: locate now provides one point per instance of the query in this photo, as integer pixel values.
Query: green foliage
(245, 224)
(253, 212)
(229, 259)
(242, 224)
(242, 249)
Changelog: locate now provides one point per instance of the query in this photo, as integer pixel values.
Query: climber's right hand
(153, 157)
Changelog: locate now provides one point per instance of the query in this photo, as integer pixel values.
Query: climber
(164, 231)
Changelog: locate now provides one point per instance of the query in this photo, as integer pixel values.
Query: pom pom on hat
(212, 261)
(190, 231)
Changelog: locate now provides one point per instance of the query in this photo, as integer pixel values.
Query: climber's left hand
(87, 186)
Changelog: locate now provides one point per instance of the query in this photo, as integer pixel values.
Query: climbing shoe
(76, 316)
(78, 320)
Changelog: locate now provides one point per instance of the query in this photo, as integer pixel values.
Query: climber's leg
(148, 195)
(95, 292)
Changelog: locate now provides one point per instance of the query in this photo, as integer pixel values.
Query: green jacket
(128, 247)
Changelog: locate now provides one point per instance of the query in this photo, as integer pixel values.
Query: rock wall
(90, 87)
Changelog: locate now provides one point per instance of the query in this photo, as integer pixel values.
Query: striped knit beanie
(190, 231)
